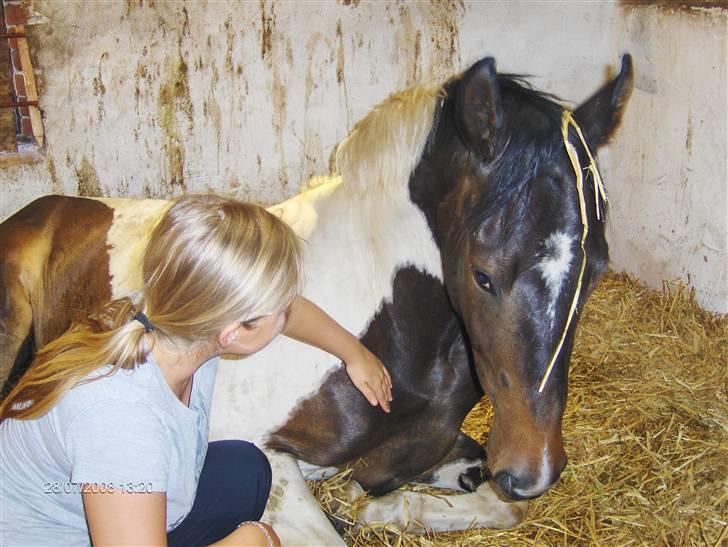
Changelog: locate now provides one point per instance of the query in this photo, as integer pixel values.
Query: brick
(15, 15)
(20, 85)
(24, 110)
(6, 69)
(26, 127)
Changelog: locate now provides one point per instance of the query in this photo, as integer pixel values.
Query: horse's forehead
(540, 210)
(554, 265)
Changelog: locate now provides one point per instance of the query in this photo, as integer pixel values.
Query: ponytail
(108, 336)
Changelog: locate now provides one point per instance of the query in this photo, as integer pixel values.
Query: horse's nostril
(504, 480)
(514, 488)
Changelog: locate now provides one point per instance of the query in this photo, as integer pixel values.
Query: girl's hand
(370, 377)
(310, 324)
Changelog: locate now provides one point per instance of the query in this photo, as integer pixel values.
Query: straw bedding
(645, 429)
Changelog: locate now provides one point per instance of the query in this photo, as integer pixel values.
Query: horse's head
(500, 193)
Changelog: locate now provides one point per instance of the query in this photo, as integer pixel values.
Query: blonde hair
(210, 262)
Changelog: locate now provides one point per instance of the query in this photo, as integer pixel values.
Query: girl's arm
(122, 518)
(125, 518)
(310, 324)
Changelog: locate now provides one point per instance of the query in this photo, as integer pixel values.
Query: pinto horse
(451, 244)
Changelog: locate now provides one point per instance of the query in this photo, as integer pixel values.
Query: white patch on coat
(133, 222)
(555, 266)
(292, 510)
(544, 477)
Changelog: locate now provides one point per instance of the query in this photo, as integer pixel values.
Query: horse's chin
(514, 497)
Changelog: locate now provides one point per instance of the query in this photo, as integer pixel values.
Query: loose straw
(568, 119)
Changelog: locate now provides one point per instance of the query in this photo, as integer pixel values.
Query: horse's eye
(483, 281)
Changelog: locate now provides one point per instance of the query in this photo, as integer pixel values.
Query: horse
(459, 240)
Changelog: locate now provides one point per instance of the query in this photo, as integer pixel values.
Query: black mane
(519, 85)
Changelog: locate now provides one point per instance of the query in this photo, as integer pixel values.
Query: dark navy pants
(233, 487)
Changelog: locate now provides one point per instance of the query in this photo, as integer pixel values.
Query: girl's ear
(243, 335)
(228, 335)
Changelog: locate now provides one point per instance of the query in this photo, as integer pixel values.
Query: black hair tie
(144, 320)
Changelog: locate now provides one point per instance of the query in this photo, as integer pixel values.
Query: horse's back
(30, 234)
(22, 233)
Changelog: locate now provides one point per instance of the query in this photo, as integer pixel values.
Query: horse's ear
(479, 109)
(600, 115)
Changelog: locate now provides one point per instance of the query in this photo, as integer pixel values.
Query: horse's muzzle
(526, 487)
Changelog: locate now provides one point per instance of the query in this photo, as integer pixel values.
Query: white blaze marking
(555, 265)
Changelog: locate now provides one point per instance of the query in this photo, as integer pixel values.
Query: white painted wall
(667, 170)
(257, 94)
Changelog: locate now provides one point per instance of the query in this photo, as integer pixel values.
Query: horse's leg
(292, 510)
(16, 330)
(419, 512)
(462, 469)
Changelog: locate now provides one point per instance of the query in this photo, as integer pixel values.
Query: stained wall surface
(146, 98)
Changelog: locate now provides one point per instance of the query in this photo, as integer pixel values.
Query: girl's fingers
(386, 373)
(369, 394)
(387, 390)
(386, 383)
(382, 398)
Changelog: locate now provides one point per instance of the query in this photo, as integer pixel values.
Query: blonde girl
(104, 439)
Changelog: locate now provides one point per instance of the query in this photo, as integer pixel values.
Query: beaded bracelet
(261, 527)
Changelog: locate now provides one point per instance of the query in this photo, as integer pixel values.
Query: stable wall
(145, 98)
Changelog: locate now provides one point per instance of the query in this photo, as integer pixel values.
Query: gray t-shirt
(128, 431)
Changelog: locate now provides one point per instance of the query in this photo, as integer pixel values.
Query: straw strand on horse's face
(567, 120)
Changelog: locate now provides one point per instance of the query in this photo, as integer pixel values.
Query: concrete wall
(147, 98)
(667, 170)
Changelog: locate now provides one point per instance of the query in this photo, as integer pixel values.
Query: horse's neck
(355, 244)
